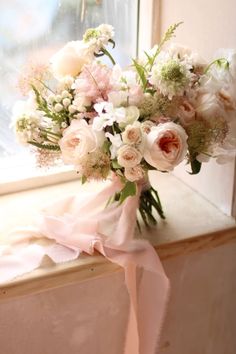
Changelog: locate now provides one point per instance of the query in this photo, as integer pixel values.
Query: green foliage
(150, 202)
(129, 190)
(220, 62)
(83, 179)
(141, 73)
(45, 146)
(43, 107)
(195, 166)
(115, 165)
(167, 36)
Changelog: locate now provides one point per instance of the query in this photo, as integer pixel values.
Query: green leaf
(83, 179)
(129, 190)
(220, 62)
(167, 36)
(141, 72)
(45, 146)
(106, 146)
(115, 164)
(148, 57)
(196, 167)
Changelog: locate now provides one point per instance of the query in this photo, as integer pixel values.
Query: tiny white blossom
(58, 107)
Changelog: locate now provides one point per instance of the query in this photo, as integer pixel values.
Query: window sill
(192, 222)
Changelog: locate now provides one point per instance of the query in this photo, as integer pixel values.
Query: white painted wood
(201, 318)
(149, 24)
(79, 315)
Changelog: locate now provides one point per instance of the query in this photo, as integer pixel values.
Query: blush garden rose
(166, 146)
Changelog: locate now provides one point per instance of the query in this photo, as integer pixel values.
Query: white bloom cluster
(97, 38)
(171, 76)
(167, 106)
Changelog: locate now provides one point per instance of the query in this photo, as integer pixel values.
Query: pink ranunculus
(78, 140)
(166, 146)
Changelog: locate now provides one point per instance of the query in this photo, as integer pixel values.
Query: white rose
(128, 156)
(166, 146)
(130, 116)
(134, 173)
(70, 59)
(132, 134)
(78, 140)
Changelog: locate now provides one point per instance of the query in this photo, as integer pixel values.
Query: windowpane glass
(32, 30)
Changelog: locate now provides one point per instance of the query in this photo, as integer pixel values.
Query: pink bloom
(78, 140)
(186, 113)
(166, 146)
(94, 82)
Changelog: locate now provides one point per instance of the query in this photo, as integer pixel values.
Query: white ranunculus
(128, 156)
(78, 140)
(166, 146)
(70, 59)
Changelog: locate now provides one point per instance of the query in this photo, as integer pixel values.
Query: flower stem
(105, 51)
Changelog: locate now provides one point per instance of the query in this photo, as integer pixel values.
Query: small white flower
(66, 102)
(116, 143)
(72, 109)
(58, 107)
(58, 98)
(97, 38)
(65, 94)
(51, 99)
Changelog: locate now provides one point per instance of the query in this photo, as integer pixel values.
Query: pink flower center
(169, 143)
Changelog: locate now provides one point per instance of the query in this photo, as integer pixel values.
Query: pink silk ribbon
(85, 226)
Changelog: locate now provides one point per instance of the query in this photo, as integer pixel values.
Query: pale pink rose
(78, 140)
(128, 156)
(70, 59)
(135, 173)
(166, 146)
(186, 113)
(132, 134)
(146, 126)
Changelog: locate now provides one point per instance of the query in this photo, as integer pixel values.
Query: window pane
(31, 31)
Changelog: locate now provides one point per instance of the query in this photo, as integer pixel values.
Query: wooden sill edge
(87, 267)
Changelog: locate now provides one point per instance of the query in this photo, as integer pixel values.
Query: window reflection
(31, 31)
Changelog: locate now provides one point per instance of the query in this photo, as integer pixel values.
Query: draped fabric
(78, 225)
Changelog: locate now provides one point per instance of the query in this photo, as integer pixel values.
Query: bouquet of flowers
(169, 105)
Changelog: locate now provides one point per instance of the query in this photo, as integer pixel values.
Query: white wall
(208, 26)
